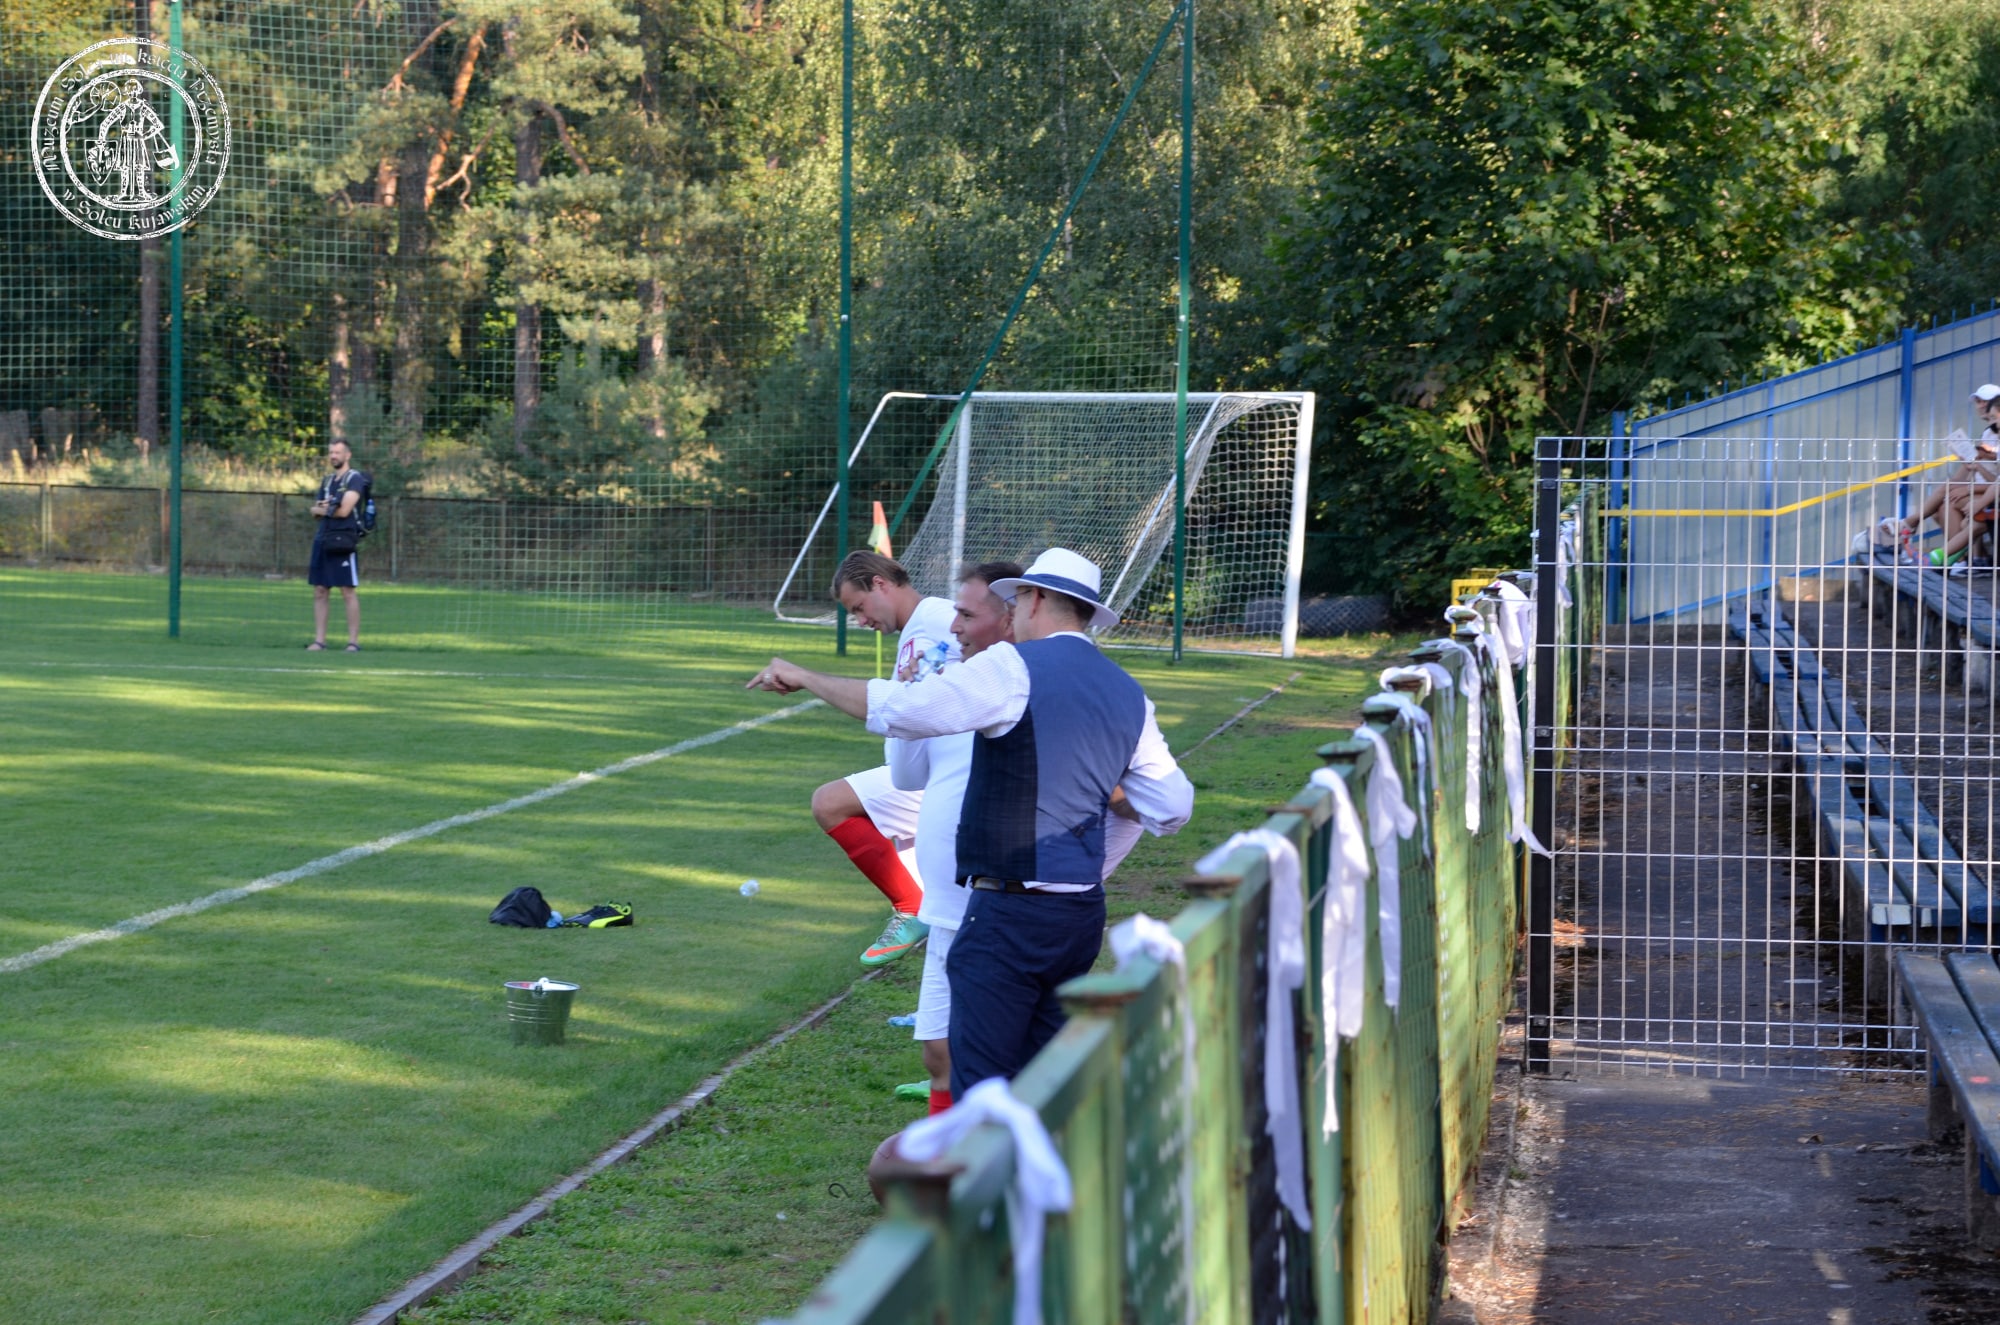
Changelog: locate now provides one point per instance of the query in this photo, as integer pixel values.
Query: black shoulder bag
(341, 533)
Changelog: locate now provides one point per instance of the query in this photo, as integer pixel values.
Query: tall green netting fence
(567, 279)
(1412, 1090)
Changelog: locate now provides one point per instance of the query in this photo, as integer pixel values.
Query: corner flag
(878, 535)
(878, 541)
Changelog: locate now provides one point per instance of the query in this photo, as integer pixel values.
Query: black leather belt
(986, 884)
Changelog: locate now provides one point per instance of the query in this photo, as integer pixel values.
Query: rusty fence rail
(1411, 1090)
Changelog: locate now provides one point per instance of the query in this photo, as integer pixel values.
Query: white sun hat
(1062, 571)
(1984, 395)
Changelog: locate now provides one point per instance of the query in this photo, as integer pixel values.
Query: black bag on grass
(523, 908)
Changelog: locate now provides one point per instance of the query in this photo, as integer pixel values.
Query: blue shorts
(1007, 960)
(329, 569)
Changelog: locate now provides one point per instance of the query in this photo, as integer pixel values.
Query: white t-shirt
(926, 643)
(1976, 471)
(1971, 468)
(940, 766)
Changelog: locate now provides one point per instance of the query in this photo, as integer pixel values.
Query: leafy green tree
(664, 127)
(1924, 102)
(975, 122)
(598, 433)
(1529, 213)
(68, 308)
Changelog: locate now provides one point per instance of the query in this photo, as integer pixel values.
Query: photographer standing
(341, 495)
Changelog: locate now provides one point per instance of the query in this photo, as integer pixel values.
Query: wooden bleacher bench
(1956, 998)
(1901, 867)
(1971, 617)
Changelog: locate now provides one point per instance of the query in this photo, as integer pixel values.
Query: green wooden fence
(1412, 1093)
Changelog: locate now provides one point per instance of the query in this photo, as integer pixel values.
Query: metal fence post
(843, 404)
(1185, 270)
(277, 533)
(1614, 528)
(1541, 869)
(48, 521)
(1768, 525)
(177, 342)
(1906, 404)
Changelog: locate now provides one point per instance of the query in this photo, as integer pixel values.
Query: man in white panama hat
(1059, 727)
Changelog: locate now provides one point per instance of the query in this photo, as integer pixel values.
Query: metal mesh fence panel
(1773, 766)
(111, 527)
(583, 261)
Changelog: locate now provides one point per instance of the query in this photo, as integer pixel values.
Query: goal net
(1094, 472)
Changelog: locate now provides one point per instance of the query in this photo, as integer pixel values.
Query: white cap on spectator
(1986, 394)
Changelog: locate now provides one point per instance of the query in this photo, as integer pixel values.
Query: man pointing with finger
(1059, 727)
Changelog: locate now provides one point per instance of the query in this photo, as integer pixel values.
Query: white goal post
(1094, 472)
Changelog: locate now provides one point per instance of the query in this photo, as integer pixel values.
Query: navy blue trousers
(1012, 951)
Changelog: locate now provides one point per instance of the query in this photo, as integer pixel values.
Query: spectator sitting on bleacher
(1971, 488)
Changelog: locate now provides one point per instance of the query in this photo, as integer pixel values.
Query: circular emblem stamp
(104, 144)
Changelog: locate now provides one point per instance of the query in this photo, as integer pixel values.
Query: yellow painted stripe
(1785, 510)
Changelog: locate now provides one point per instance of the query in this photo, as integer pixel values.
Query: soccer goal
(1094, 472)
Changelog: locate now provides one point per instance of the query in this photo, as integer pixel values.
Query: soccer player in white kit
(865, 813)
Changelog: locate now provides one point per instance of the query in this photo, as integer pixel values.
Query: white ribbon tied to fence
(1513, 608)
(1427, 679)
(1285, 974)
(1517, 618)
(1142, 935)
(1390, 820)
(1041, 1182)
(1514, 621)
(1440, 684)
(1475, 727)
(1565, 559)
(1430, 679)
(1343, 939)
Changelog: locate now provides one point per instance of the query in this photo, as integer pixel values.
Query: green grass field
(280, 1108)
(738, 1215)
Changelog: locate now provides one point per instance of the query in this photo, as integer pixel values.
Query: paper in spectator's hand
(1960, 445)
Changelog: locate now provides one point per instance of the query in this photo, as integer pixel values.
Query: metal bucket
(538, 1010)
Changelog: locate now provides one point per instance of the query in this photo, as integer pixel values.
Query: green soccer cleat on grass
(904, 932)
(605, 915)
(918, 1092)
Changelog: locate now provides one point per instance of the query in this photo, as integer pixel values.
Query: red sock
(940, 1100)
(875, 856)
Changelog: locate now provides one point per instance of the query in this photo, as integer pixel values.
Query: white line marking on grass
(459, 1265)
(1242, 713)
(350, 671)
(138, 924)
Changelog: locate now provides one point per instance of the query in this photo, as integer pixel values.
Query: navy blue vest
(1035, 800)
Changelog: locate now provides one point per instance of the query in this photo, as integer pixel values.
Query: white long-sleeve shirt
(988, 694)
